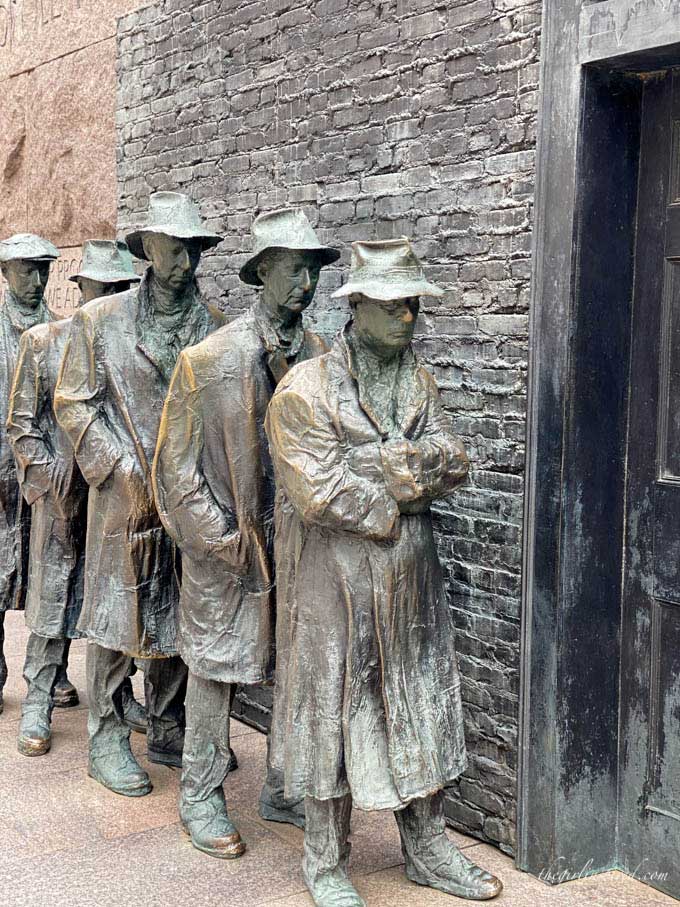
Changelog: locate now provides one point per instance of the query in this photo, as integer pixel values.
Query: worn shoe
(34, 734)
(459, 876)
(275, 808)
(118, 770)
(211, 830)
(134, 714)
(333, 889)
(65, 695)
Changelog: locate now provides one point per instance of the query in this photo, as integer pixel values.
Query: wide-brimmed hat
(172, 214)
(287, 228)
(27, 246)
(107, 262)
(385, 270)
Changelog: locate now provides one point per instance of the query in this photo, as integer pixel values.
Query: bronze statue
(25, 264)
(367, 704)
(109, 397)
(215, 494)
(57, 495)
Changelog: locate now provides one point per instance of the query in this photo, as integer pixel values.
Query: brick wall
(380, 118)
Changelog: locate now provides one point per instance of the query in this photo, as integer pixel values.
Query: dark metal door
(649, 757)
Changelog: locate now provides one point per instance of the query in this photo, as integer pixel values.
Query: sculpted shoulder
(307, 377)
(107, 308)
(234, 346)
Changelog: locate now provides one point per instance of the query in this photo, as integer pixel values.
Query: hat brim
(8, 258)
(389, 292)
(248, 272)
(106, 277)
(134, 239)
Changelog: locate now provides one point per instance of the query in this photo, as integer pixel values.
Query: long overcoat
(214, 488)
(15, 514)
(51, 483)
(367, 697)
(109, 400)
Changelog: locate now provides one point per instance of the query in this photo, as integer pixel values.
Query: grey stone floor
(67, 842)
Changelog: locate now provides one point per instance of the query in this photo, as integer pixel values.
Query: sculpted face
(93, 289)
(27, 279)
(174, 261)
(386, 327)
(289, 279)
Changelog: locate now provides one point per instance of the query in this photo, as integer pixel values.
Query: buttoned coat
(214, 488)
(367, 696)
(15, 514)
(51, 483)
(109, 400)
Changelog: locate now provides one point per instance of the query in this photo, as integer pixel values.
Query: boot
(326, 853)
(113, 764)
(433, 860)
(65, 695)
(34, 731)
(274, 807)
(165, 742)
(210, 828)
(134, 713)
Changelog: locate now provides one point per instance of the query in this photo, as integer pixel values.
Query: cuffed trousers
(44, 662)
(205, 761)
(165, 682)
(422, 827)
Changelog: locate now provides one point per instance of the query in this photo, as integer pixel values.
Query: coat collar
(409, 386)
(280, 353)
(21, 319)
(163, 349)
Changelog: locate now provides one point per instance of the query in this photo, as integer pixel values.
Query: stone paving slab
(68, 842)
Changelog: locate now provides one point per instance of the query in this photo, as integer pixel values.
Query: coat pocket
(152, 555)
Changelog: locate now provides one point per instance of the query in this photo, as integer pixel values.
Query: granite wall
(411, 117)
(57, 141)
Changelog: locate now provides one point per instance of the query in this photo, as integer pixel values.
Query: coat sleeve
(186, 505)
(430, 467)
(32, 451)
(78, 399)
(311, 469)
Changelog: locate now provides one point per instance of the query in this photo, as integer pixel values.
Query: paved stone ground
(69, 843)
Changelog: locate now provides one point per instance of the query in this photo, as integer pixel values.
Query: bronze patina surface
(367, 704)
(215, 494)
(25, 264)
(117, 366)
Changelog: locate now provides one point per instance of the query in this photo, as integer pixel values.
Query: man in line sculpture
(367, 704)
(215, 494)
(109, 398)
(25, 264)
(57, 494)
(108, 268)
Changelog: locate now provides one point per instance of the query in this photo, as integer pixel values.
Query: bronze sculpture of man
(109, 397)
(215, 494)
(25, 264)
(55, 491)
(107, 268)
(367, 704)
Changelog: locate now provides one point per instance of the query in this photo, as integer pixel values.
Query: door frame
(578, 378)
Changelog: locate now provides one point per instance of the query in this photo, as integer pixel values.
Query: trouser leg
(165, 686)
(274, 805)
(134, 712)
(111, 759)
(41, 669)
(206, 757)
(65, 694)
(433, 860)
(62, 674)
(3, 661)
(326, 852)
(205, 765)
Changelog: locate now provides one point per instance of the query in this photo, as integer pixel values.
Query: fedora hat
(385, 270)
(287, 228)
(27, 246)
(172, 214)
(107, 262)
